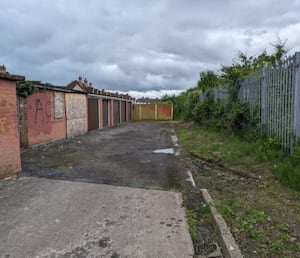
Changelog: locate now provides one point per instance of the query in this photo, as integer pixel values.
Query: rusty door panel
(116, 112)
(93, 114)
(105, 112)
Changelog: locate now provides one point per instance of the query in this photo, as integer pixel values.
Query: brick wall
(10, 161)
(43, 118)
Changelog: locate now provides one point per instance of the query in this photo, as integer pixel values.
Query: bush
(190, 101)
(25, 89)
(288, 172)
(237, 116)
(232, 116)
(289, 175)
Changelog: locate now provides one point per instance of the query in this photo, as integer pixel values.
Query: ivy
(25, 89)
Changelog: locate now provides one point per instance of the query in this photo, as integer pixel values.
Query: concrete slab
(52, 218)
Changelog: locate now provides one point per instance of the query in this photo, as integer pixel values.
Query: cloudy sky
(143, 47)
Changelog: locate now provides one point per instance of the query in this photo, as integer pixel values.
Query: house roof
(87, 87)
(58, 88)
(82, 84)
(46, 86)
(12, 77)
(143, 100)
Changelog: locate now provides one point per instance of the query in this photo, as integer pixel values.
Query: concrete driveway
(79, 216)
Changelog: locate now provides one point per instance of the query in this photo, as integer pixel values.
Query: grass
(192, 223)
(262, 212)
(256, 155)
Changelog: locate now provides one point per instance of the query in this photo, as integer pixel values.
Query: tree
(208, 80)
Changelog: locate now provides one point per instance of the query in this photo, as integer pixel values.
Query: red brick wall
(43, 118)
(10, 161)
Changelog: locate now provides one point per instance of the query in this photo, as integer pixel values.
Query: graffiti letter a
(38, 107)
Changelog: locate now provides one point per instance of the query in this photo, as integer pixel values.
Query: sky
(143, 47)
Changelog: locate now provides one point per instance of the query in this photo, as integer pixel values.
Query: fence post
(263, 102)
(296, 109)
(140, 111)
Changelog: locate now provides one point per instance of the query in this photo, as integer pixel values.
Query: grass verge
(263, 213)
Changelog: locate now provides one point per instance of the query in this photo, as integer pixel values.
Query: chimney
(85, 82)
(2, 69)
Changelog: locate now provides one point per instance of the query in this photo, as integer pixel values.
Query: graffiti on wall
(2, 124)
(42, 110)
(45, 107)
(5, 110)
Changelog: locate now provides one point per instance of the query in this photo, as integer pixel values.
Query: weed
(25, 89)
(263, 184)
(173, 189)
(288, 174)
(192, 223)
(63, 167)
(204, 209)
(262, 213)
(276, 245)
(185, 196)
(150, 187)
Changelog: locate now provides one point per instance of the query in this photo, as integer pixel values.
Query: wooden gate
(93, 114)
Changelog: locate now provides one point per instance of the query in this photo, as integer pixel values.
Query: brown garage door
(116, 112)
(105, 112)
(130, 111)
(123, 111)
(93, 114)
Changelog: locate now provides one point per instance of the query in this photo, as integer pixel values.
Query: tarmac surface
(62, 205)
(121, 155)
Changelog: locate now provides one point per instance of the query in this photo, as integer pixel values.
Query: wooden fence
(272, 93)
(153, 112)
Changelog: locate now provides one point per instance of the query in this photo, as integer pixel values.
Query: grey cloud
(137, 45)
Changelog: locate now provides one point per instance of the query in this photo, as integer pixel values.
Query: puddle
(164, 151)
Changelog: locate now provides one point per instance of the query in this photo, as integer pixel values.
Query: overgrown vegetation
(288, 172)
(262, 213)
(233, 116)
(25, 89)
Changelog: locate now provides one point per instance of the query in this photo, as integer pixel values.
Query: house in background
(146, 100)
(104, 108)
